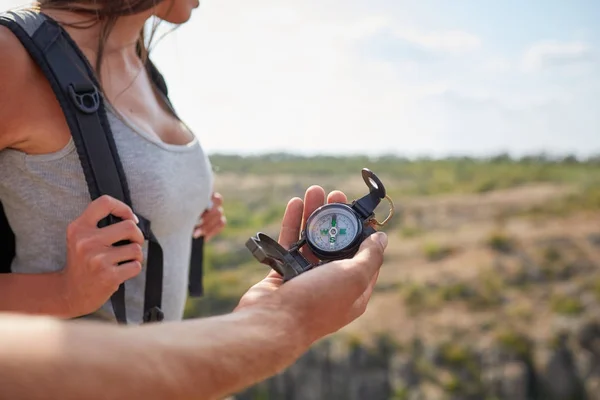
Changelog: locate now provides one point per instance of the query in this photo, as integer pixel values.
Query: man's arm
(196, 359)
(199, 359)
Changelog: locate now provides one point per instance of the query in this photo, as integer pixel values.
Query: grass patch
(416, 296)
(353, 342)
(436, 252)
(486, 291)
(411, 231)
(500, 242)
(489, 289)
(455, 354)
(520, 310)
(566, 305)
(400, 393)
(596, 288)
(552, 255)
(515, 342)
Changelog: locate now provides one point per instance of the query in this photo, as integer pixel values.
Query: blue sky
(431, 77)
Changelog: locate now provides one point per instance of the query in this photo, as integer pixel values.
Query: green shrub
(454, 354)
(566, 305)
(410, 231)
(515, 342)
(500, 242)
(552, 255)
(456, 291)
(596, 288)
(435, 252)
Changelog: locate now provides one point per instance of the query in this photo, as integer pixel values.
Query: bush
(436, 252)
(410, 231)
(500, 242)
(515, 342)
(566, 305)
(454, 354)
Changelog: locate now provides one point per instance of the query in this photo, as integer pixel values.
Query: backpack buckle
(154, 314)
(85, 97)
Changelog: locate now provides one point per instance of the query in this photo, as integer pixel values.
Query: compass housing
(352, 224)
(336, 253)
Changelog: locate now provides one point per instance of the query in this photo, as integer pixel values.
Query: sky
(412, 78)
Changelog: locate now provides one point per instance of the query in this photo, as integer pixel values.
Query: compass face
(332, 228)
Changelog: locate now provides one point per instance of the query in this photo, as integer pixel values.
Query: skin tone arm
(91, 275)
(195, 359)
(92, 272)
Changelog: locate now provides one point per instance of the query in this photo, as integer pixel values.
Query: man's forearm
(43, 294)
(197, 359)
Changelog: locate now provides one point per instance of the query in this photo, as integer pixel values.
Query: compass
(333, 232)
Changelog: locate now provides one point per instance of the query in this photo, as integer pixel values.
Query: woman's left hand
(212, 220)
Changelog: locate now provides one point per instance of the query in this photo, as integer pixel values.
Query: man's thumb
(370, 253)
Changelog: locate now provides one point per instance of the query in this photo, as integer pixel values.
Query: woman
(66, 266)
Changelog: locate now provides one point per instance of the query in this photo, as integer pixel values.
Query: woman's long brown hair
(106, 13)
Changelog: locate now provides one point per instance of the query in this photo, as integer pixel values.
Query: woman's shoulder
(18, 79)
(15, 64)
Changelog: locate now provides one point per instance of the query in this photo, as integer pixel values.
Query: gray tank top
(170, 185)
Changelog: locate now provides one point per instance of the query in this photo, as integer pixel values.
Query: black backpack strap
(7, 248)
(76, 88)
(195, 283)
(196, 271)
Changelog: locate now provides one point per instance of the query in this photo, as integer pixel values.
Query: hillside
(483, 255)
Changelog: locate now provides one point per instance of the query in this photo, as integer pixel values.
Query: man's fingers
(290, 226)
(337, 197)
(105, 206)
(313, 199)
(298, 211)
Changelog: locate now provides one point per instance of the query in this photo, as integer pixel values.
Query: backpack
(75, 85)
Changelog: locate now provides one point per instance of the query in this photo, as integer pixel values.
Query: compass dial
(332, 229)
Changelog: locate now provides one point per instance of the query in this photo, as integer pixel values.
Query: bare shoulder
(16, 69)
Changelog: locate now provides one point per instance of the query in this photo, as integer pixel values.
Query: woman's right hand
(93, 273)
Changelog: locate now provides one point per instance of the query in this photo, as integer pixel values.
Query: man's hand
(294, 219)
(212, 220)
(328, 297)
(93, 273)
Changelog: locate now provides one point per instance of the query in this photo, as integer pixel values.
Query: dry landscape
(476, 262)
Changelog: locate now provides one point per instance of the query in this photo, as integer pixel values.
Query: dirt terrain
(490, 287)
(443, 241)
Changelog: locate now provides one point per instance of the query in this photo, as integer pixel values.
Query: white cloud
(554, 53)
(451, 41)
(497, 65)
